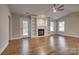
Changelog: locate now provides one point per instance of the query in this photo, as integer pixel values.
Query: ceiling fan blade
(50, 8)
(60, 9)
(60, 6)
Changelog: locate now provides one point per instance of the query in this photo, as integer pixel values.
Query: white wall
(4, 26)
(71, 24)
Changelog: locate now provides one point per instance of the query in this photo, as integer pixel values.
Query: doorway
(25, 28)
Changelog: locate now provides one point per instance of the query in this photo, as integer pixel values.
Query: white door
(25, 28)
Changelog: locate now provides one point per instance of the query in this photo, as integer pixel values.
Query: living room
(39, 29)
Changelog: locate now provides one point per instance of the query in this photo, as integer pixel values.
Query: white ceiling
(42, 8)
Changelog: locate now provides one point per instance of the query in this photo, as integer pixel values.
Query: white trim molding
(16, 38)
(3, 47)
(69, 35)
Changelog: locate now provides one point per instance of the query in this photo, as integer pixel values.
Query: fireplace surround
(39, 26)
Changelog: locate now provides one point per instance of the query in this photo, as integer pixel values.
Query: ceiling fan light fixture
(54, 10)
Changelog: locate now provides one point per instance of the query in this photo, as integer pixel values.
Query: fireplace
(40, 32)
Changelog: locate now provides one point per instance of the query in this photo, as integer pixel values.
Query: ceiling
(38, 9)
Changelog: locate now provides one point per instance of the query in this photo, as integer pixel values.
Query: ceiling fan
(56, 7)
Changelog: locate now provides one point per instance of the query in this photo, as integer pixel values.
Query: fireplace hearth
(40, 32)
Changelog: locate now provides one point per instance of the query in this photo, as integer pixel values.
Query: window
(61, 26)
(51, 26)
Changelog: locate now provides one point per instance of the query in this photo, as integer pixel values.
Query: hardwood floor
(50, 45)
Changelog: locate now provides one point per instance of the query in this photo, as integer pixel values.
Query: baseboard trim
(3, 48)
(69, 35)
(18, 38)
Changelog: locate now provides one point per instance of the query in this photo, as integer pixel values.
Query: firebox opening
(40, 32)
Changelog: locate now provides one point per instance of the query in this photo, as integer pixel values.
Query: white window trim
(53, 27)
(58, 27)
